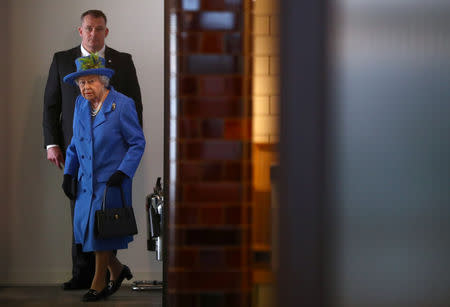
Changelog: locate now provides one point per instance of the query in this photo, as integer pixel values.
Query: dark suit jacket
(59, 97)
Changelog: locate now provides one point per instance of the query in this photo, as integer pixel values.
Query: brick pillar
(209, 189)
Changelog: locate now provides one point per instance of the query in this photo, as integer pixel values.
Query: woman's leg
(102, 259)
(118, 273)
(114, 267)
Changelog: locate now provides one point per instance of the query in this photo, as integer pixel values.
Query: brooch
(113, 106)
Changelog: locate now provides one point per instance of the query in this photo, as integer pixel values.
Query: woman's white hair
(103, 79)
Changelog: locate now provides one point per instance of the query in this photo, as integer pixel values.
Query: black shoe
(92, 295)
(75, 284)
(114, 285)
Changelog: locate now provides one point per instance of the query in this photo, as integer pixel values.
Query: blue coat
(112, 141)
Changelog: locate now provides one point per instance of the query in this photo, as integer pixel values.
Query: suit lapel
(108, 59)
(76, 53)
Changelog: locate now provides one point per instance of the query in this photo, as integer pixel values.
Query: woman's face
(91, 87)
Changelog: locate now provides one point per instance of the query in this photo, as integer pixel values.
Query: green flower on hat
(91, 61)
(92, 64)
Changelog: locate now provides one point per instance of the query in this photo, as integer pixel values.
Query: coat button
(84, 190)
(82, 157)
(82, 139)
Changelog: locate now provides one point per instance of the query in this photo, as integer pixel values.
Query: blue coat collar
(107, 107)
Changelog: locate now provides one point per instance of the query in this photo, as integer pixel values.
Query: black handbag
(114, 222)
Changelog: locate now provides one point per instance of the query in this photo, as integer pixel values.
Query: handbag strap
(104, 197)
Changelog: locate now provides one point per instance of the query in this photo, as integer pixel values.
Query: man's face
(91, 87)
(93, 32)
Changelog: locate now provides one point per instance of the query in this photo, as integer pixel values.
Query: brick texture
(210, 133)
(265, 36)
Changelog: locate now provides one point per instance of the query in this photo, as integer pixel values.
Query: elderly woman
(105, 150)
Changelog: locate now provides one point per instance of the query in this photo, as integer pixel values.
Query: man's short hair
(95, 14)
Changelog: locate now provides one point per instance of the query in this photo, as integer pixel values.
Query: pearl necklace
(95, 111)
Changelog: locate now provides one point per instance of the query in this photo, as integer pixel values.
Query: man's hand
(55, 156)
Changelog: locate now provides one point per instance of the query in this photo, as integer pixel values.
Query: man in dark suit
(59, 104)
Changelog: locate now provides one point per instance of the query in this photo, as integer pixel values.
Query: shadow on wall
(35, 200)
(4, 140)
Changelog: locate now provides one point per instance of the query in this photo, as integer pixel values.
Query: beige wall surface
(266, 61)
(35, 229)
(4, 77)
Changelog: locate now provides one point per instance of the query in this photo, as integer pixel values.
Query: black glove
(116, 179)
(67, 186)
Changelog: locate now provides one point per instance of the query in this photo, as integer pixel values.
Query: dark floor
(54, 296)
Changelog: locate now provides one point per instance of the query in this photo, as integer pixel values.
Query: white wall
(35, 229)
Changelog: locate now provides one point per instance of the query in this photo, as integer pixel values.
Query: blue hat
(92, 64)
